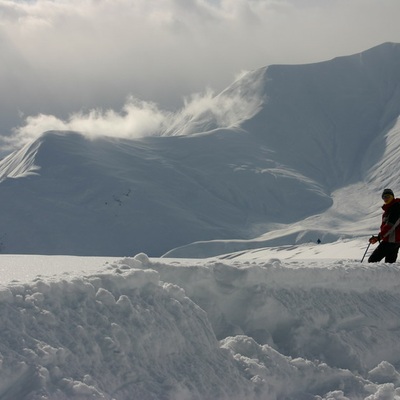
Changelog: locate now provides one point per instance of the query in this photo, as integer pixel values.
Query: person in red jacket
(389, 235)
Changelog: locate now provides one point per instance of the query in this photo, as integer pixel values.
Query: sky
(97, 65)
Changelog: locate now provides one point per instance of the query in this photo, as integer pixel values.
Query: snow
(186, 266)
(281, 156)
(24, 267)
(303, 322)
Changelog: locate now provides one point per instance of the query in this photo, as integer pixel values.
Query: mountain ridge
(291, 163)
(315, 113)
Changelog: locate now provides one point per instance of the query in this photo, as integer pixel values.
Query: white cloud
(61, 57)
(136, 119)
(201, 111)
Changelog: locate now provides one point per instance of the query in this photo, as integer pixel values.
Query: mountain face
(330, 111)
(307, 141)
(113, 197)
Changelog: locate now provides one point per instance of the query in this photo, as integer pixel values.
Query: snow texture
(219, 328)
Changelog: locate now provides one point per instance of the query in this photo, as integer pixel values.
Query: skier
(389, 235)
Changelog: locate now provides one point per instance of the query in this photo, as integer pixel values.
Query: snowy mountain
(303, 152)
(289, 154)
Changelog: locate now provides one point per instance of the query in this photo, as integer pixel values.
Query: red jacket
(390, 227)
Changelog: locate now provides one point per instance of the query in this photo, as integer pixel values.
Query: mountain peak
(32, 157)
(332, 110)
(305, 148)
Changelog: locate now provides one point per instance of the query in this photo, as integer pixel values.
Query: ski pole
(369, 244)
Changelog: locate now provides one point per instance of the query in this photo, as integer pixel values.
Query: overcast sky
(68, 57)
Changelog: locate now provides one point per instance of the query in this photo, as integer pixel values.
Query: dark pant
(385, 250)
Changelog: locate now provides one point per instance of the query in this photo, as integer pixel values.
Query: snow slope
(104, 191)
(287, 154)
(268, 324)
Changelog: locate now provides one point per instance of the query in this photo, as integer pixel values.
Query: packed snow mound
(121, 334)
(142, 328)
(310, 142)
(331, 311)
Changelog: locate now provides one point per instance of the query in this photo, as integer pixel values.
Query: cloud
(201, 112)
(136, 119)
(66, 57)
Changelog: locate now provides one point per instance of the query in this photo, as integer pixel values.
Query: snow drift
(310, 136)
(244, 328)
(121, 334)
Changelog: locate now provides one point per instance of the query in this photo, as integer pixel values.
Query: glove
(373, 239)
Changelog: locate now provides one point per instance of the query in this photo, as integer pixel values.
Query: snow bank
(121, 334)
(343, 313)
(301, 326)
(149, 328)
